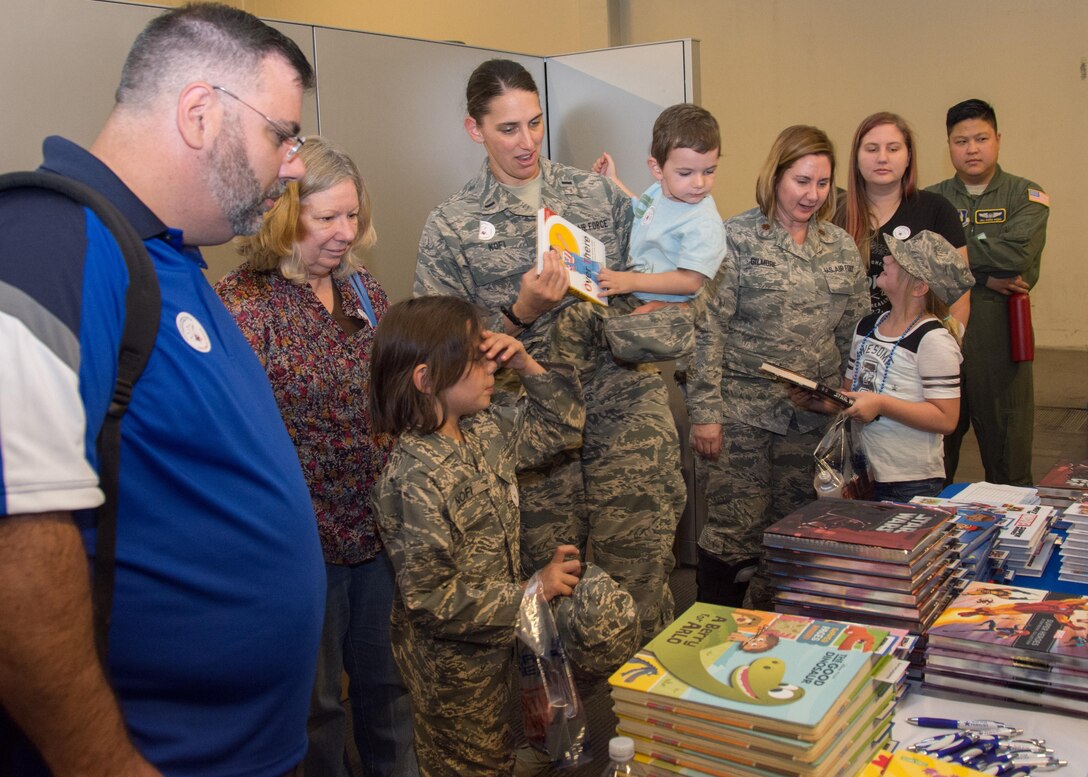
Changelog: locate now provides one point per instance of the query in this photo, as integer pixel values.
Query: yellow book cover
(583, 254)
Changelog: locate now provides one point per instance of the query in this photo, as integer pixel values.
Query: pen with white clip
(982, 726)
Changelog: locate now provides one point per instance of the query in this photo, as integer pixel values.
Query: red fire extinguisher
(1021, 337)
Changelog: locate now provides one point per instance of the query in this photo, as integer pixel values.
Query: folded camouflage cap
(930, 257)
(597, 623)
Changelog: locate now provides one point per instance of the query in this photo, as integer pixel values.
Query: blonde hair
(275, 247)
(937, 307)
(792, 144)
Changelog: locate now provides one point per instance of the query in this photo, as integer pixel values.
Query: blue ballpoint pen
(984, 726)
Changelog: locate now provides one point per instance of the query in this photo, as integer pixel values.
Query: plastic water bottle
(621, 755)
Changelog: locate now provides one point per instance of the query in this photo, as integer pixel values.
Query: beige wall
(771, 63)
(538, 27)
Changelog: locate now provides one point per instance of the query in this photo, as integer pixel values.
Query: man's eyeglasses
(283, 133)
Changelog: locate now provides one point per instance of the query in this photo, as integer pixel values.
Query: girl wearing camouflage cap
(904, 368)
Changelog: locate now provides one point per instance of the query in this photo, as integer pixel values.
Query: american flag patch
(1040, 197)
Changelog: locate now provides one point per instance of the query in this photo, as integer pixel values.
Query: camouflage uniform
(623, 492)
(448, 516)
(793, 305)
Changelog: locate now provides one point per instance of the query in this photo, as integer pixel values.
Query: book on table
(882, 531)
(797, 379)
(1066, 480)
(878, 577)
(582, 253)
(904, 763)
(1036, 628)
(763, 671)
(728, 691)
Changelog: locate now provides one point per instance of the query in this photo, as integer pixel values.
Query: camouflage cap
(597, 623)
(930, 257)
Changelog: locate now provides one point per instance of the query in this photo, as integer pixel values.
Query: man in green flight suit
(1005, 219)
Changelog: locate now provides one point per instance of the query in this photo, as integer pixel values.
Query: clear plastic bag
(841, 471)
(555, 720)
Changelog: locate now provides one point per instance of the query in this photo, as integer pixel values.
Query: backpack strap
(143, 304)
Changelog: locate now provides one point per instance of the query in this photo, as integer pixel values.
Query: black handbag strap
(143, 304)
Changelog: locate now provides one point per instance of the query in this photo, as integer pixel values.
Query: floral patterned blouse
(320, 376)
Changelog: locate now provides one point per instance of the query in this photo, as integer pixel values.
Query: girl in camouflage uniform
(447, 508)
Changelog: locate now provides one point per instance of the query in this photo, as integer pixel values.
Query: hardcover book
(776, 673)
(582, 253)
(796, 379)
(974, 684)
(867, 530)
(838, 749)
(827, 558)
(1036, 628)
(1067, 479)
(788, 564)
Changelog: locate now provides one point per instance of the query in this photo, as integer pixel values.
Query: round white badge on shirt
(648, 216)
(902, 232)
(487, 230)
(192, 332)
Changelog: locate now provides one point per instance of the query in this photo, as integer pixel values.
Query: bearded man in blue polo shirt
(219, 589)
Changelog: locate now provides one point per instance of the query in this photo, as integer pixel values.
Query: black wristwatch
(509, 313)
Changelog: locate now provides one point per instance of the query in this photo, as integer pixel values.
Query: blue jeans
(355, 639)
(905, 490)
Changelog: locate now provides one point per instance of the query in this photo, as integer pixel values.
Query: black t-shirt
(923, 210)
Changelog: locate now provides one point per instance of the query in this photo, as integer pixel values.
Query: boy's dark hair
(970, 109)
(492, 78)
(684, 126)
(440, 332)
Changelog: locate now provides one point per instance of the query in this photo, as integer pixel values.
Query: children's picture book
(796, 379)
(583, 254)
(778, 673)
(1037, 628)
(904, 763)
(869, 530)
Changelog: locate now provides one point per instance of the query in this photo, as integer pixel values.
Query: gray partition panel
(61, 61)
(398, 106)
(608, 100)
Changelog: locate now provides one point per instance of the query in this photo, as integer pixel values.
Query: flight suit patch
(990, 216)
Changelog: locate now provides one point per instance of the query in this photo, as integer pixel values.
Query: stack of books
(1074, 550)
(1024, 543)
(1027, 538)
(977, 529)
(1065, 483)
(880, 563)
(725, 691)
(1012, 643)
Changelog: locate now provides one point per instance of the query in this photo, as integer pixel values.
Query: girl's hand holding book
(867, 406)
